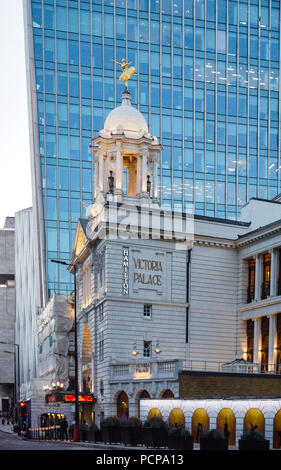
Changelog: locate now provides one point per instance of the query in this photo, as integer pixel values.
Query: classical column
(273, 273)
(138, 174)
(155, 179)
(119, 169)
(258, 267)
(96, 180)
(272, 341)
(144, 173)
(257, 339)
(101, 170)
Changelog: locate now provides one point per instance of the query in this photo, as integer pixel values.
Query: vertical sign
(125, 286)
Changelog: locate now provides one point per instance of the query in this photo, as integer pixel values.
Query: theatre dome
(125, 119)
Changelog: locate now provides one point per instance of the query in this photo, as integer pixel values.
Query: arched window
(122, 405)
(167, 394)
(254, 420)
(154, 412)
(176, 418)
(200, 423)
(226, 424)
(277, 430)
(87, 361)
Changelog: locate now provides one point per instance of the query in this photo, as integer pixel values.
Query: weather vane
(127, 71)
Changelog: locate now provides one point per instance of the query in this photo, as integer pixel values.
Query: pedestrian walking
(71, 430)
(84, 429)
(64, 429)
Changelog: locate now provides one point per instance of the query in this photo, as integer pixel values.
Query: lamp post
(76, 426)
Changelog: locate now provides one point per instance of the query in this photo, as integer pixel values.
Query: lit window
(147, 349)
(266, 276)
(251, 280)
(147, 311)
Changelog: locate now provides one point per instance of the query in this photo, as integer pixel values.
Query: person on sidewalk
(84, 429)
(63, 429)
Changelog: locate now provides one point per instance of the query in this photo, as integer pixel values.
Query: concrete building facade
(8, 350)
(29, 299)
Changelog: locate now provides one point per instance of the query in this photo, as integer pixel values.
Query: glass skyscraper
(208, 85)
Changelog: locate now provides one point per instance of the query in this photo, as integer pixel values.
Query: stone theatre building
(168, 303)
(131, 261)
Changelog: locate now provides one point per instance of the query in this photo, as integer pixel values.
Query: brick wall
(217, 385)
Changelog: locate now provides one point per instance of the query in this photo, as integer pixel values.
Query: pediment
(80, 237)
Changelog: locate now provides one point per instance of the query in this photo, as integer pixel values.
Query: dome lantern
(126, 157)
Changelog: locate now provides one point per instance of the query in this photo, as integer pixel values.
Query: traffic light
(22, 409)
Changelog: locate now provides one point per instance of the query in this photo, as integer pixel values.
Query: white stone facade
(131, 286)
(138, 325)
(157, 291)
(124, 328)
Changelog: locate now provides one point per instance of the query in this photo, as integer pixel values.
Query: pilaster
(272, 342)
(257, 339)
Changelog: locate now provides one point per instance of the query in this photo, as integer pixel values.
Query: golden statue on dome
(127, 71)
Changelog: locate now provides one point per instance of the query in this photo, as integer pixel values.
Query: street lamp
(76, 426)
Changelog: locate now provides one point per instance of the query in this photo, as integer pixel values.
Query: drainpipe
(187, 291)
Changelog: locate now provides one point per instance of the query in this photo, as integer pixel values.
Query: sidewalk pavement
(6, 427)
(9, 429)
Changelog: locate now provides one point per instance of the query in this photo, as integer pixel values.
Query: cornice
(254, 237)
(214, 242)
(261, 304)
(248, 239)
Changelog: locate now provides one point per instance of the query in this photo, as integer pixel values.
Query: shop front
(86, 405)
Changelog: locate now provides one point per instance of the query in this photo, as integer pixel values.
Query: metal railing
(217, 366)
(46, 433)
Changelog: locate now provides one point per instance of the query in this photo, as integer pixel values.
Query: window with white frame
(147, 349)
(147, 311)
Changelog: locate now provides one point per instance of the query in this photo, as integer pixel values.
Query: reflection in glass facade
(208, 86)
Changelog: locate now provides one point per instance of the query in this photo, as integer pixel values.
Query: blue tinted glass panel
(73, 20)
(60, 18)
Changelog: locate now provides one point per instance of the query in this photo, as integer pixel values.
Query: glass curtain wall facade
(208, 85)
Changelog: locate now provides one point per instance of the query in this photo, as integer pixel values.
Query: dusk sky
(15, 185)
